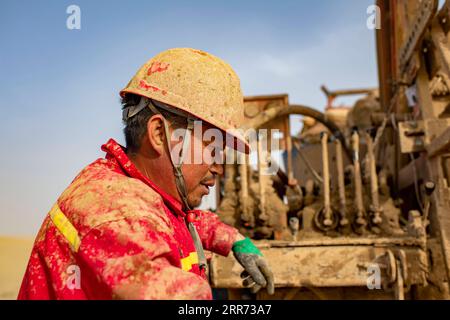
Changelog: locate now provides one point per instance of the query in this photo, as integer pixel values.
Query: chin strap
(179, 178)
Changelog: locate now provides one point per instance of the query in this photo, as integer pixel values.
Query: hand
(256, 274)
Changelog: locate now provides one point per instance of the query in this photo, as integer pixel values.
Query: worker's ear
(155, 133)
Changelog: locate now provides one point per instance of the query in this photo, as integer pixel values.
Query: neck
(158, 170)
(141, 163)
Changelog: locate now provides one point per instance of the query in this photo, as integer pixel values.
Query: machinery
(362, 210)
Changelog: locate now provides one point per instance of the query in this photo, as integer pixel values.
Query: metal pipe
(429, 188)
(360, 220)
(262, 167)
(347, 92)
(376, 212)
(288, 141)
(341, 186)
(246, 217)
(326, 181)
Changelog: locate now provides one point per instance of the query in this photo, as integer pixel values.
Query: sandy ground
(14, 254)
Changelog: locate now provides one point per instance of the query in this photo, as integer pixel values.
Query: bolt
(377, 219)
(429, 187)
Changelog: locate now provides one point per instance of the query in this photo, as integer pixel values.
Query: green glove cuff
(246, 246)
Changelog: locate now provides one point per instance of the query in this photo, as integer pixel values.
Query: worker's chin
(194, 201)
(195, 197)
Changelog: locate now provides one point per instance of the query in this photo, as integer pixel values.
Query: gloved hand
(257, 273)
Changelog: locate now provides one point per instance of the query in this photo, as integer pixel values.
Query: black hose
(313, 113)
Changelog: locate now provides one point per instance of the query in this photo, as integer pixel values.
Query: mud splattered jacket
(113, 234)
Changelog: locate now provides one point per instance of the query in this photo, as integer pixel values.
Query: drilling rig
(362, 208)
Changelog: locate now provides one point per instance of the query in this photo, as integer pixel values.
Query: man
(125, 227)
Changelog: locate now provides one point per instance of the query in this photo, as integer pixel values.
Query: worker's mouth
(206, 189)
(208, 184)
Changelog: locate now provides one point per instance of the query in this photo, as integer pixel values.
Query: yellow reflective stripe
(186, 263)
(65, 227)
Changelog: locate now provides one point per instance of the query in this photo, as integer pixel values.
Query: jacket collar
(116, 152)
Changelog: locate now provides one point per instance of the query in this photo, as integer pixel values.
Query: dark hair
(136, 127)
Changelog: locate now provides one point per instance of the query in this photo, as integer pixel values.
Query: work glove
(256, 274)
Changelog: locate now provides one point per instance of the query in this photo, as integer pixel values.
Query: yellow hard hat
(197, 83)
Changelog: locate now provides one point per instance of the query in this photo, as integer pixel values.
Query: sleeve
(129, 259)
(216, 236)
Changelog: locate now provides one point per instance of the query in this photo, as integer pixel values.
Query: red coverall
(122, 237)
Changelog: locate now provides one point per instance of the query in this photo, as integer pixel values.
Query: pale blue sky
(59, 87)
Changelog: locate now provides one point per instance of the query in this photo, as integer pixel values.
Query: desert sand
(14, 254)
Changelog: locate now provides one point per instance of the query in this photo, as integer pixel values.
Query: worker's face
(200, 176)
(202, 161)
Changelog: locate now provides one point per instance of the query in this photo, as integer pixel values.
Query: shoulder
(102, 193)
